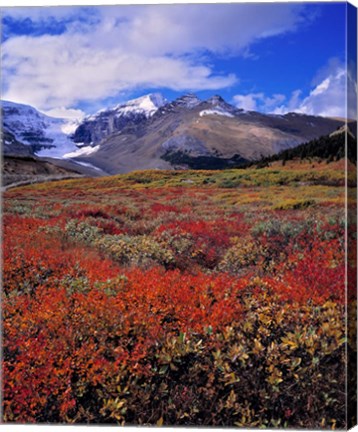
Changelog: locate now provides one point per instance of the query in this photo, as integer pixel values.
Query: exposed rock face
(106, 122)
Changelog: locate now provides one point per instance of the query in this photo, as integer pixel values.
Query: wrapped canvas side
(351, 148)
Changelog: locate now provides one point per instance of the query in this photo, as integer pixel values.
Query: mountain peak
(147, 105)
(219, 107)
(216, 100)
(148, 102)
(188, 100)
(21, 109)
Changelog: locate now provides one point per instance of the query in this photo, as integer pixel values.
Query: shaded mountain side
(180, 160)
(353, 128)
(12, 147)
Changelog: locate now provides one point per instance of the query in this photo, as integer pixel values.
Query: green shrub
(293, 204)
(138, 250)
(82, 231)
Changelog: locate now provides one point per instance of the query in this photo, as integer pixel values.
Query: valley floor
(178, 298)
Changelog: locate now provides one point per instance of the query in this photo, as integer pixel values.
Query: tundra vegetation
(178, 298)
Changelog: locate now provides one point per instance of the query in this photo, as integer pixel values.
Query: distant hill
(329, 147)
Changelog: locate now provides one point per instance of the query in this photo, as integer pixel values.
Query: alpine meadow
(179, 215)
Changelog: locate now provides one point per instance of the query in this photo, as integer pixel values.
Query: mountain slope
(180, 132)
(12, 147)
(151, 133)
(17, 170)
(96, 127)
(44, 135)
(330, 148)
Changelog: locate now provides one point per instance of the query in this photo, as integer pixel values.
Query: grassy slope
(178, 297)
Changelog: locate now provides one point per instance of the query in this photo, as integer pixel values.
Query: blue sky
(274, 57)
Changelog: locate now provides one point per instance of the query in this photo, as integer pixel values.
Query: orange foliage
(74, 320)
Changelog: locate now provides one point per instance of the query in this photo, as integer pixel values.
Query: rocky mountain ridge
(181, 131)
(105, 122)
(150, 132)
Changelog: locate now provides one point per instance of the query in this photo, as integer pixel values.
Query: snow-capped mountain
(146, 105)
(216, 111)
(190, 132)
(220, 107)
(150, 132)
(105, 122)
(44, 135)
(188, 101)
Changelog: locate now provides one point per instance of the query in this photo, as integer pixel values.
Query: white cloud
(174, 29)
(42, 14)
(63, 70)
(322, 87)
(66, 113)
(247, 102)
(352, 90)
(327, 98)
(270, 102)
(258, 101)
(109, 50)
(220, 28)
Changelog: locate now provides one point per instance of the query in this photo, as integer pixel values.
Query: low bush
(170, 301)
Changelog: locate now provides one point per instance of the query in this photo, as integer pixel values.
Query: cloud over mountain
(98, 52)
(327, 97)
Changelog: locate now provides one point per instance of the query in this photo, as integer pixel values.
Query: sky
(268, 57)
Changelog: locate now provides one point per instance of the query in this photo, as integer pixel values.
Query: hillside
(18, 170)
(329, 148)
